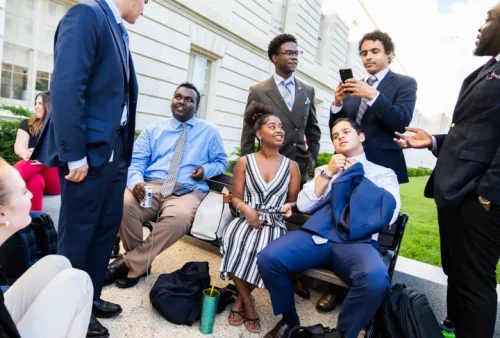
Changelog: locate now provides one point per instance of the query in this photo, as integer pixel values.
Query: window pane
(6, 82)
(24, 32)
(26, 9)
(42, 75)
(15, 72)
(10, 28)
(41, 84)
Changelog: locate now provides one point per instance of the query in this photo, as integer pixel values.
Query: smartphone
(182, 191)
(345, 74)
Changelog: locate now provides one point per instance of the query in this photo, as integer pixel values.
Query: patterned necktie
(286, 93)
(175, 165)
(124, 32)
(364, 102)
(488, 64)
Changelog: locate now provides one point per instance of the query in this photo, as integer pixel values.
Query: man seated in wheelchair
(351, 199)
(170, 162)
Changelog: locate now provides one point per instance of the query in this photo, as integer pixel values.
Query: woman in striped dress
(265, 189)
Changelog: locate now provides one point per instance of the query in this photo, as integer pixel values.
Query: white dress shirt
(123, 121)
(290, 86)
(383, 177)
(380, 76)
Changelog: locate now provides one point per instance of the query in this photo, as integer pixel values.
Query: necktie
(175, 165)
(124, 32)
(487, 65)
(364, 102)
(286, 93)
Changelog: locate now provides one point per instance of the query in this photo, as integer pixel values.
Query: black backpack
(178, 296)
(406, 313)
(26, 247)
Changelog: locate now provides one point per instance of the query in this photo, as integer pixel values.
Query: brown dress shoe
(327, 302)
(281, 330)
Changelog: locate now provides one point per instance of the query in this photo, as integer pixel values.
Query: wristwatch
(325, 175)
(483, 200)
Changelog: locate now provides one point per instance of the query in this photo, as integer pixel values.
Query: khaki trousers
(175, 216)
(51, 300)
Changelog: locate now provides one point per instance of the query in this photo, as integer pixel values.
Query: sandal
(236, 322)
(255, 321)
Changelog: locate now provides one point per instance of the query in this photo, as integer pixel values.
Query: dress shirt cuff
(307, 198)
(335, 109)
(434, 144)
(131, 182)
(374, 99)
(77, 164)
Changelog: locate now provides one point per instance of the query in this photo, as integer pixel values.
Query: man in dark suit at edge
(466, 187)
(90, 133)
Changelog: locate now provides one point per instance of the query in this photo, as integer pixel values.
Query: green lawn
(421, 239)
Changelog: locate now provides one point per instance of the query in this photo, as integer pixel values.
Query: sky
(434, 41)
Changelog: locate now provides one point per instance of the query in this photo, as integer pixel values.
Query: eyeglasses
(290, 53)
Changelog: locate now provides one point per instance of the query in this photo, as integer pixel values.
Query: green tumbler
(448, 333)
(209, 310)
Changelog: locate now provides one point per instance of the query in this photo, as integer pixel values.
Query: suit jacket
(468, 157)
(300, 124)
(89, 90)
(354, 209)
(392, 111)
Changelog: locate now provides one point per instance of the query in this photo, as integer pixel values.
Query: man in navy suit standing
(382, 103)
(90, 133)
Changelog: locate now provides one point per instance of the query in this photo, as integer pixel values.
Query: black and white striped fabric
(240, 242)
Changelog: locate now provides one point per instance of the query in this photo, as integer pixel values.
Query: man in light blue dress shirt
(153, 161)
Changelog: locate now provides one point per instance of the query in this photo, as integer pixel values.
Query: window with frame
(279, 14)
(27, 61)
(199, 75)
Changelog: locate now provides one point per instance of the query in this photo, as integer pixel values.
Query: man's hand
(139, 191)
(360, 89)
(340, 94)
(419, 140)
(252, 217)
(349, 163)
(78, 174)
(198, 173)
(27, 154)
(337, 162)
(310, 166)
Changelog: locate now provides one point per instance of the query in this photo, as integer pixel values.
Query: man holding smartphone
(174, 158)
(381, 104)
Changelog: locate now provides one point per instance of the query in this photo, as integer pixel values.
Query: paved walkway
(139, 319)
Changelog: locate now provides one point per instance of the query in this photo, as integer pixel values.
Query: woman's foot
(236, 315)
(252, 321)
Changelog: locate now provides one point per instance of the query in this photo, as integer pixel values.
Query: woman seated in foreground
(51, 299)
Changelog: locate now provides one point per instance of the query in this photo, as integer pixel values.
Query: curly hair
(275, 44)
(193, 87)
(256, 114)
(383, 37)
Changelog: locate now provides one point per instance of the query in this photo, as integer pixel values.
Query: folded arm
(217, 158)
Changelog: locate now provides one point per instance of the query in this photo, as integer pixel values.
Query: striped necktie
(175, 165)
(364, 102)
(124, 32)
(286, 93)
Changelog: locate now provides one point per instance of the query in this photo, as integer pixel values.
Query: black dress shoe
(116, 270)
(96, 330)
(299, 287)
(327, 302)
(125, 283)
(103, 309)
(281, 330)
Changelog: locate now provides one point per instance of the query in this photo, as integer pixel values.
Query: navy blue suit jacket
(354, 209)
(88, 91)
(392, 111)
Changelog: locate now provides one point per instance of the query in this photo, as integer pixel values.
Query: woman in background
(39, 178)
